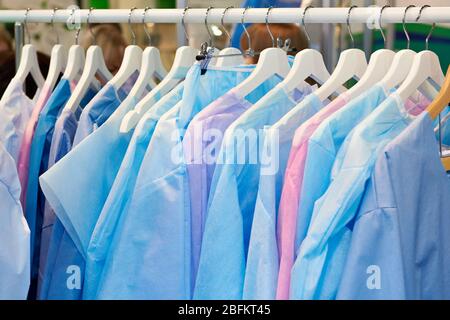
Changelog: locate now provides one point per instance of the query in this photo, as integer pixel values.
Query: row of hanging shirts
(132, 190)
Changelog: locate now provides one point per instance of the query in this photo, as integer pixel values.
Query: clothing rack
(234, 15)
(359, 15)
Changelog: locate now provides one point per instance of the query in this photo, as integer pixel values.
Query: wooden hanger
(438, 105)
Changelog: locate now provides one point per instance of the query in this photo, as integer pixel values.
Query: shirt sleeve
(76, 186)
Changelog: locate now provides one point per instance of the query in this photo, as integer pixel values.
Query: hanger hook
(25, 23)
(223, 26)
(133, 34)
(267, 26)
(53, 25)
(303, 22)
(211, 40)
(72, 19)
(94, 39)
(348, 25)
(381, 25)
(249, 51)
(184, 24)
(408, 39)
(427, 39)
(147, 32)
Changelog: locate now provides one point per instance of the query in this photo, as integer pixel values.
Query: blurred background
(329, 38)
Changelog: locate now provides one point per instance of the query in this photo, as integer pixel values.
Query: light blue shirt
(100, 108)
(54, 285)
(14, 234)
(118, 199)
(150, 254)
(318, 267)
(323, 147)
(40, 225)
(77, 186)
(400, 248)
(232, 201)
(262, 262)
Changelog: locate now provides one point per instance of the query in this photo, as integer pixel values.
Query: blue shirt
(61, 250)
(39, 153)
(110, 146)
(77, 186)
(232, 201)
(400, 248)
(14, 234)
(261, 272)
(119, 198)
(323, 147)
(318, 267)
(100, 108)
(159, 211)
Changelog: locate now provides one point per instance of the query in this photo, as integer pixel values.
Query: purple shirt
(201, 145)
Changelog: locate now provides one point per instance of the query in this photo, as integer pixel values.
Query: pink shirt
(289, 202)
(24, 153)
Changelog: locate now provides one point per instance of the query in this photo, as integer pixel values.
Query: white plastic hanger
(75, 63)
(131, 62)
(308, 63)
(76, 56)
(184, 58)
(401, 65)
(151, 66)
(272, 61)
(230, 56)
(95, 65)
(379, 64)
(352, 64)
(426, 66)
(29, 61)
(57, 60)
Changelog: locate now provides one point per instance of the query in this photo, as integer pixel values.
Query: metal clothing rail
(277, 15)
